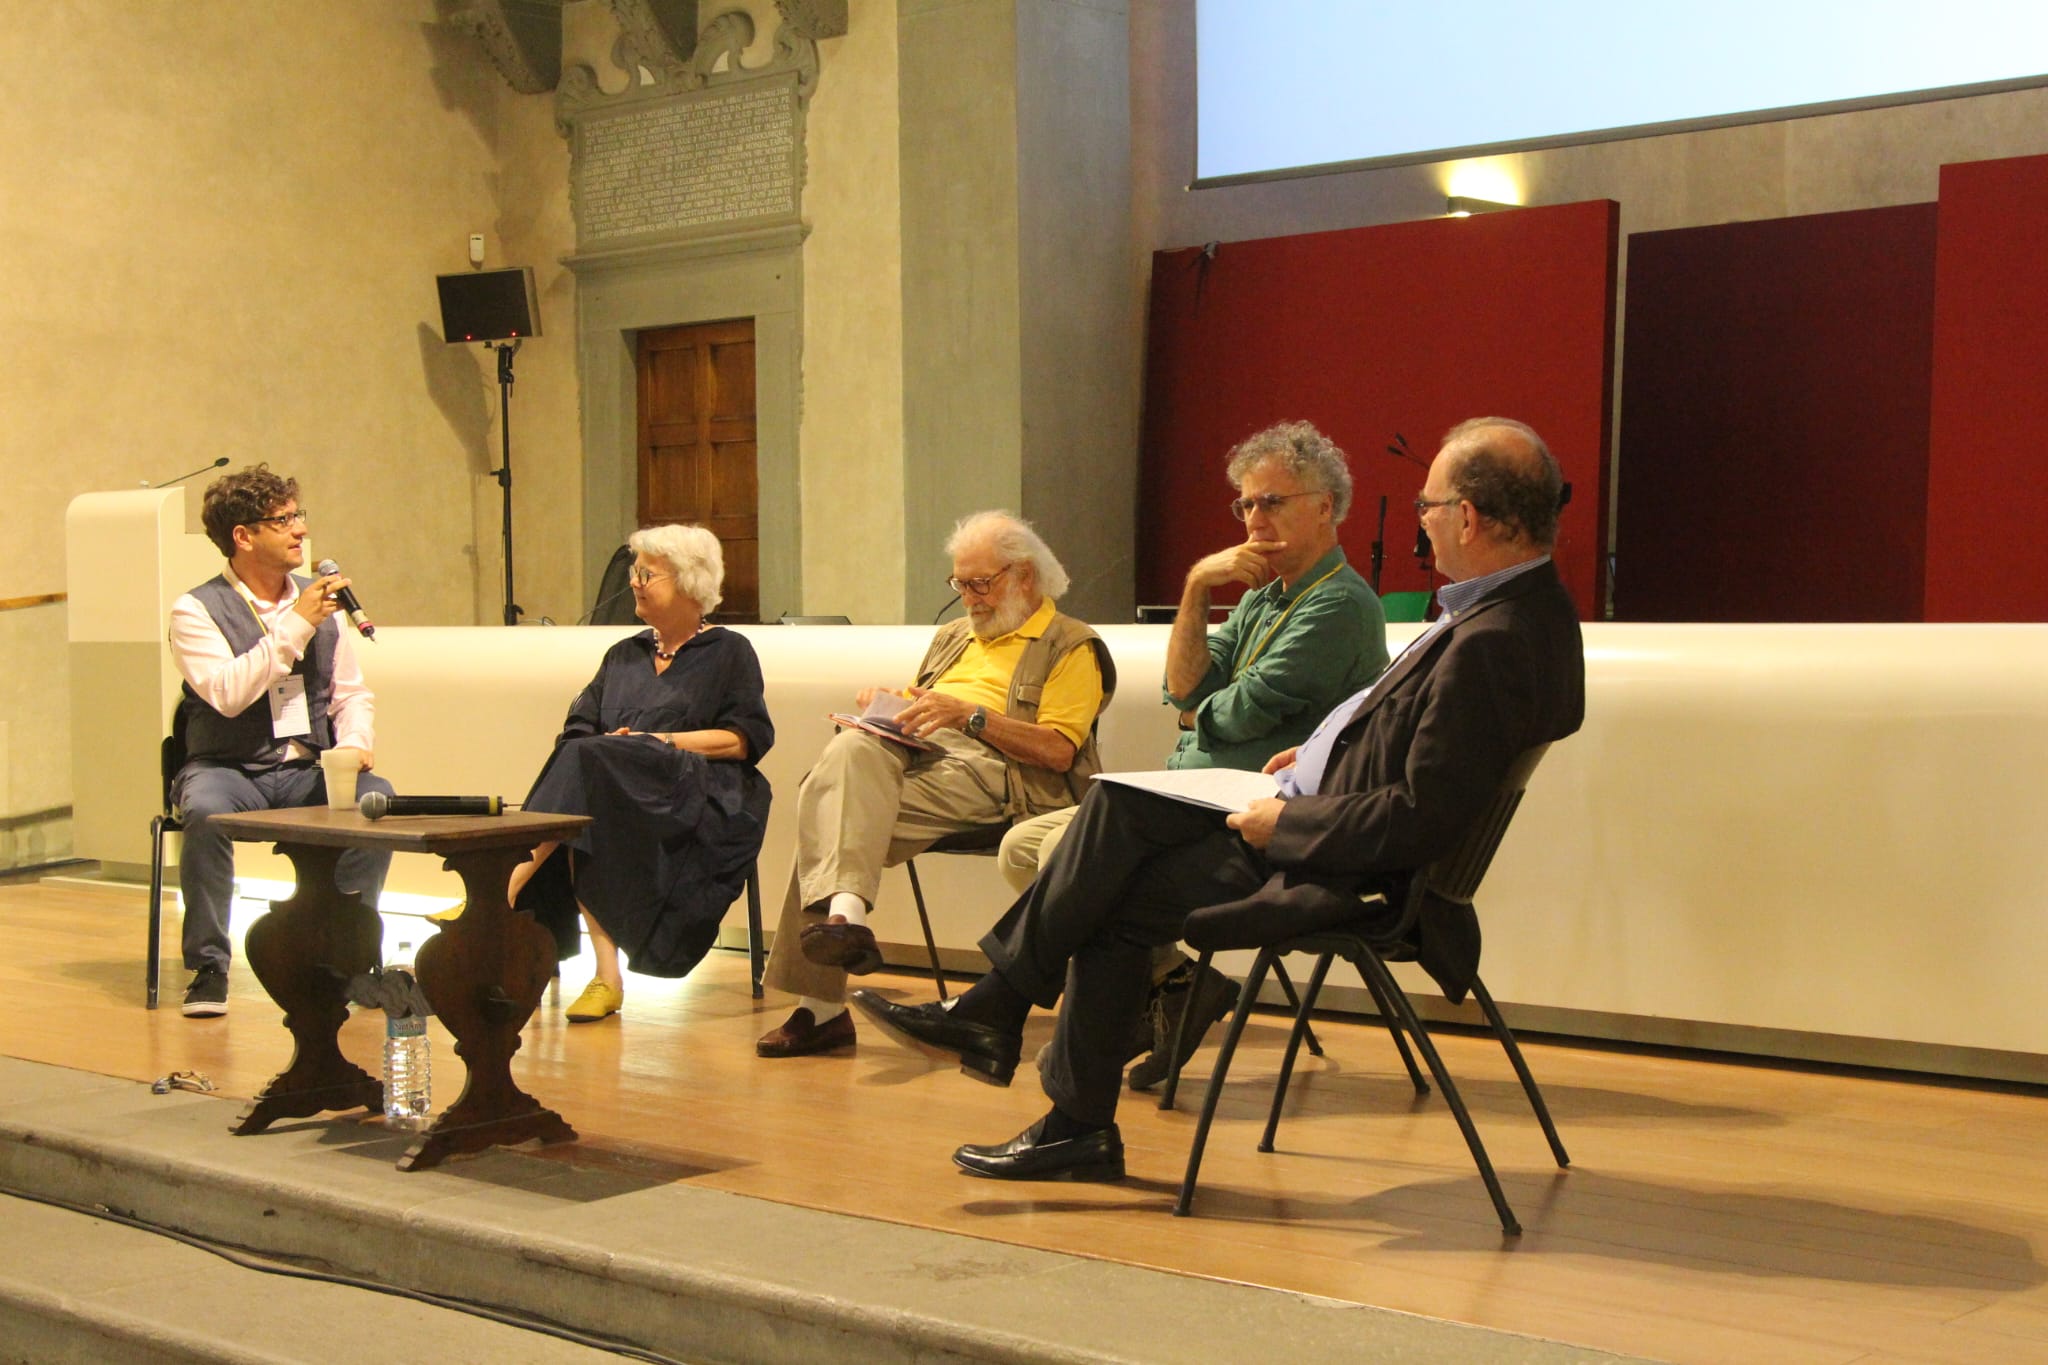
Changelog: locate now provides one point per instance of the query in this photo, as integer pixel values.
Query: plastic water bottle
(407, 1073)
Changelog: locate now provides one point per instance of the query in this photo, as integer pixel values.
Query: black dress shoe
(835, 943)
(985, 1053)
(1091, 1156)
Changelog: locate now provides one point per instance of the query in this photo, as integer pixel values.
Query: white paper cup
(340, 767)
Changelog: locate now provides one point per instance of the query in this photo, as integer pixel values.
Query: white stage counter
(1805, 841)
(1779, 838)
(474, 712)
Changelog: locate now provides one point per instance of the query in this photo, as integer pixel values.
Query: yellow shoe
(451, 914)
(597, 1001)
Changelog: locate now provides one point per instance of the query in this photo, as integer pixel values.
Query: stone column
(1020, 322)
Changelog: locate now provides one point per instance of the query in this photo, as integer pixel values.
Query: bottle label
(405, 1026)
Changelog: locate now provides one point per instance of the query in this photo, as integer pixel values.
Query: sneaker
(598, 1001)
(207, 996)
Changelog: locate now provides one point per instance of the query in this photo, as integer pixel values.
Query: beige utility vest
(1033, 790)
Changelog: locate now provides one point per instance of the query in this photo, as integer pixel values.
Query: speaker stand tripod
(506, 350)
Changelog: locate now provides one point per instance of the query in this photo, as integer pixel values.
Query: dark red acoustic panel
(1987, 497)
(1408, 328)
(1774, 418)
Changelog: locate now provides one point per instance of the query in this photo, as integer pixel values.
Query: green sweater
(1267, 687)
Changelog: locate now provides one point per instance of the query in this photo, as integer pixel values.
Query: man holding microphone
(271, 683)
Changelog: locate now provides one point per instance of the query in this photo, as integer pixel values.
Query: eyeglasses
(1269, 503)
(642, 577)
(978, 586)
(281, 521)
(1422, 505)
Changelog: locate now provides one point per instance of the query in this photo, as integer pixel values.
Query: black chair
(170, 758)
(980, 842)
(614, 605)
(1369, 944)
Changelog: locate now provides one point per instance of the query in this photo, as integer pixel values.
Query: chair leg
(1180, 1042)
(1507, 1042)
(1184, 1204)
(1308, 1002)
(1368, 963)
(924, 919)
(156, 908)
(1393, 1023)
(754, 954)
(1315, 1045)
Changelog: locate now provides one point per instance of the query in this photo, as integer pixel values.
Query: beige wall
(220, 224)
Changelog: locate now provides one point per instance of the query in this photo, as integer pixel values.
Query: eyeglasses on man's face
(282, 521)
(1422, 505)
(642, 577)
(1269, 503)
(978, 586)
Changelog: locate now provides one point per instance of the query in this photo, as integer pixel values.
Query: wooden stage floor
(1714, 1211)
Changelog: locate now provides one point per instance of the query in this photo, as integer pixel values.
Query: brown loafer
(835, 943)
(801, 1035)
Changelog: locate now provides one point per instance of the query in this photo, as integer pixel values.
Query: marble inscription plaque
(691, 162)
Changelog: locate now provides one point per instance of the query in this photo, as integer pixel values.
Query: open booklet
(1231, 789)
(880, 719)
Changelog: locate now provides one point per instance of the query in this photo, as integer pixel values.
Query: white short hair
(1015, 543)
(692, 554)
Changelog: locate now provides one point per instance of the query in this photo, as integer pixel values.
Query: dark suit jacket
(1413, 770)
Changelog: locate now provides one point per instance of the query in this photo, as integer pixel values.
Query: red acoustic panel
(1774, 419)
(1368, 332)
(1987, 498)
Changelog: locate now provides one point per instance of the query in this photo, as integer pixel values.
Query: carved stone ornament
(523, 38)
(660, 35)
(814, 19)
(725, 37)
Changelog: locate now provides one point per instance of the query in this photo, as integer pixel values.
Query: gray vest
(247, 738)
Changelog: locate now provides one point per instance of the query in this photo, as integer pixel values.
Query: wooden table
(483, 974)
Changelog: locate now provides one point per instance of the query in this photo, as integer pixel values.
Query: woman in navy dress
(662, 751)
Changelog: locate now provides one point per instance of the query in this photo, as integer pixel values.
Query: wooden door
(696, 411)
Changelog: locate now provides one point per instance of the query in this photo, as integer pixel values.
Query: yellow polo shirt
(1073, 694)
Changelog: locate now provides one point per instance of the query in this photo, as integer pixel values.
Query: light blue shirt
(1306, 776)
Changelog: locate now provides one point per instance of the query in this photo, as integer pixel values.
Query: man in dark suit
(1389, 782)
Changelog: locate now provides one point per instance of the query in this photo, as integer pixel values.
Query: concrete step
(78, 1288)
(695, 1274)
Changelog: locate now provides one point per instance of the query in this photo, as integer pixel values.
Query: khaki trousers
(869, 804)
(1029, 843)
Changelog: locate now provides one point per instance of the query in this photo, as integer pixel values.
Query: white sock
(822, 1011)
(846, 903)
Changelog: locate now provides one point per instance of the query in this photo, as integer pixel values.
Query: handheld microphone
(188, 474)
(349, 604)
(376, 805)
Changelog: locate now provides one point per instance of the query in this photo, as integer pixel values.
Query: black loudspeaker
(488, 305)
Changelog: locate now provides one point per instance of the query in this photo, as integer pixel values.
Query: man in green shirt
(1307, 634)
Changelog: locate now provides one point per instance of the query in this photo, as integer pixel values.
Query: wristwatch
(977, 722)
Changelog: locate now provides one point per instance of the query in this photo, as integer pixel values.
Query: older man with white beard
(1004, 705)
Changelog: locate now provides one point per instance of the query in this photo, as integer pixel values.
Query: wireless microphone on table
(376, 805)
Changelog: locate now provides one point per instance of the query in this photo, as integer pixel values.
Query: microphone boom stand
(506, 350)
